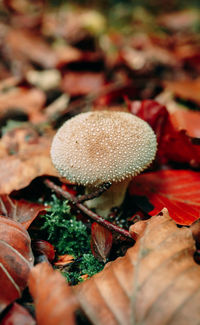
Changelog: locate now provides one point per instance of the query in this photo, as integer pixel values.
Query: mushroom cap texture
(98, 147)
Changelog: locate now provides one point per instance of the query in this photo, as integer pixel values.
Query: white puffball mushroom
(100, 147)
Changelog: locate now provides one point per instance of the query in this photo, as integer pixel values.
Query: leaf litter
(59, 62)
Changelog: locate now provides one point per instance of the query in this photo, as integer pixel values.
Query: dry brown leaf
(24, 45)
(22, 100)
(86, 82)
(157, 282)
(24, 156)
(54, 300)
(18, 315)
(16, 260)
(188, 89)
(20, 210)
(179, 20)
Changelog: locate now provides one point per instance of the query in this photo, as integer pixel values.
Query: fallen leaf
(22, 100)
(180, 116)
(24, 156)
(18, 315)
(16, 260)
(20, 210)
(185, 119)
(178, 190)
(157, 282)
(101, 242)
(179, 20)
(54, 301)
(86, 82)
(25, 45)
(24, 15)
(173, 145)
(64, 260)
(188, 89)
(43, 247)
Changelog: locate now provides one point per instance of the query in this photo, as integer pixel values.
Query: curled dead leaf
(21, 211)
(22, 100)
(23, 158)
(101, 242)
(86, 82)
(54, 300)
(156, 282)
(17, 315)
(188, 89)
(16, 260)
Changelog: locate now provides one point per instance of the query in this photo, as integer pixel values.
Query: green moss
(72, 237)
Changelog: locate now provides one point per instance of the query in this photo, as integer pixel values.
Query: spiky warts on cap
(99, 147)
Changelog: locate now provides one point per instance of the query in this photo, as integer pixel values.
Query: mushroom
(100, 147)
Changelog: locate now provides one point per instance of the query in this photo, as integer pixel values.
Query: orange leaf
(54, 300)
(24, 156)
(86, 82)
(156, 282)
(188, 89)
(185, 119)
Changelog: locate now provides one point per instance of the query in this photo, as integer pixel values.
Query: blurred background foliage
(152, 5)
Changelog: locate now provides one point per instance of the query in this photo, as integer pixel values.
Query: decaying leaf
(173, 144)
(26, 45)
(17, 315)
(43, 248)
(188, 89)
(178, 190)
(24, 156)
(185, 119)
(86, 82)
(16, 260)
(64, 260)
(157, 282)
(22, 100)
(22, 211)
(101, 242)
(54, 300)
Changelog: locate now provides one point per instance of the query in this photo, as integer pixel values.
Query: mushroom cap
(101, 146)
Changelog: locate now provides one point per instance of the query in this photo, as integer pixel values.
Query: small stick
(110, 226)
(94, 194)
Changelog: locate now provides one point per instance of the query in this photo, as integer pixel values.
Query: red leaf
(17, 315)
(173, 144)
(178, 190)
(21, 211)
(101, 242)
(16, 259)
(43, 247)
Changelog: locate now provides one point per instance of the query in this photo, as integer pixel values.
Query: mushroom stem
(111, 198)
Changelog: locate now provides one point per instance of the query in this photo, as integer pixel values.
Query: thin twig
(105, 223)
(93, 195)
